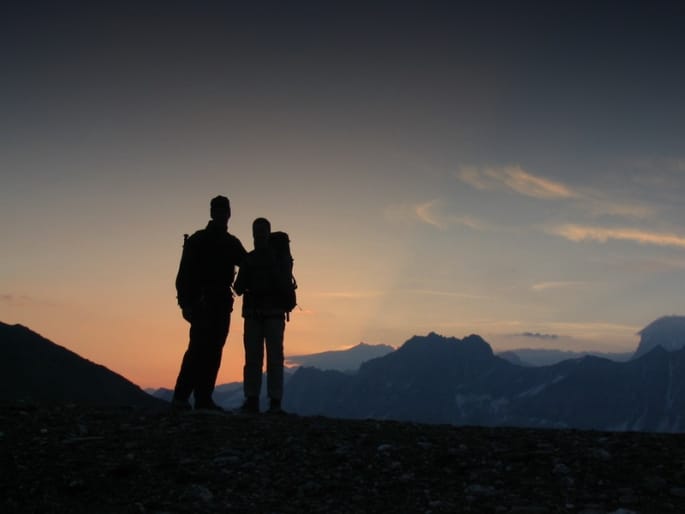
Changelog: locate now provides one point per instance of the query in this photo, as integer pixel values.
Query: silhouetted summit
(667, 332)
(434, 344)
(429, 362)
(36, 370)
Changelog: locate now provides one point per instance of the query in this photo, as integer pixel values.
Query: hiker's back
(259, 281)
(279, 242)
(266, 276)
(207, 266)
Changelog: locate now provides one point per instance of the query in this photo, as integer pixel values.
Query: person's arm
(240, 251)
(241, 282)
(186, 281)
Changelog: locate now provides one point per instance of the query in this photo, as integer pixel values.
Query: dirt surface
(75, 459)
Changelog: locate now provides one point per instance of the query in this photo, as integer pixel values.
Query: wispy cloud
(451, 294)
(598, 204)
(609, 332)
(544, 286)
(530, 185)
(23, 300)
(590, 335)
(349, 295)
(11, 298)
(536, 335)
(475, 178)
(491, 325)
(433, 213)
(516, 179)
(520, 181)
(426, 212)
(579, 233)
(648, 265)
(657, 166)
(359, 295)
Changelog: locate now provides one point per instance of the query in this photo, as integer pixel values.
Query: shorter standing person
(262, 282)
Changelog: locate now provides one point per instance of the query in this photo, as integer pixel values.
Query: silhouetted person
(203, 284)
(262, 284)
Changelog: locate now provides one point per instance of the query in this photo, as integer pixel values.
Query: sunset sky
(513, 172)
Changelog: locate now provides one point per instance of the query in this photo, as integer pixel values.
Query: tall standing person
(203, 286)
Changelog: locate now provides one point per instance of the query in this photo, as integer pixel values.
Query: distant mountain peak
(342, 360)
(472, 345)
(667, 332)
(475, 339)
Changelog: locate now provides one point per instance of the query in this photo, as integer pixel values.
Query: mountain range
(436, 379)
(429, 379)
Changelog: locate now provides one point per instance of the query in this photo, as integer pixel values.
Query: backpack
(279, 242)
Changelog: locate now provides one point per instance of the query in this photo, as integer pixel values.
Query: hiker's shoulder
(236, 244)
(259, 256)
(197, 237)
(233, 239)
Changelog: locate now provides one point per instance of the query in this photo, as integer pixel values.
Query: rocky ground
(74, 459)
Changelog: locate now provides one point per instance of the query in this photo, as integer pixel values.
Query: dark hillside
(34, 369)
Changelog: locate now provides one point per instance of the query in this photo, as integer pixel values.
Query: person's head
(220, 209)
(261, 228)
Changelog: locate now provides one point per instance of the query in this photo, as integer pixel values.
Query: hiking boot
(180, 405)
(250, 406)
(275, 407)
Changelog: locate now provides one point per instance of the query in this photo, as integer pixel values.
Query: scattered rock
(529, 509)
(600, 454)
(678, 492)
(561, 469)
(115, 461)
(655, 484)
(196, 492)
(76, 484)
(480, 490)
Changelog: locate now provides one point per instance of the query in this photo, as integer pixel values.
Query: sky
(512, 171)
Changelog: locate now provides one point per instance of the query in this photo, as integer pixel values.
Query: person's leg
(188, 374)
(253, 340)
(273, 332)
(210, 360)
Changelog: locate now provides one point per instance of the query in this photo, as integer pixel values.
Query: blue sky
(496, 170)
